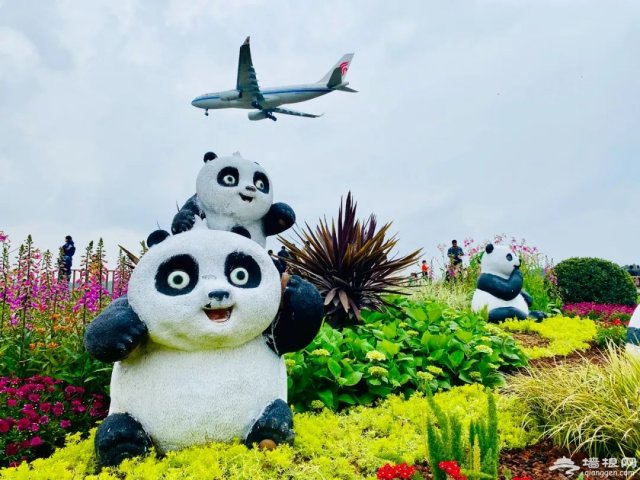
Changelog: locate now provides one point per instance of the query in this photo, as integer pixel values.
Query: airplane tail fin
(335, 77)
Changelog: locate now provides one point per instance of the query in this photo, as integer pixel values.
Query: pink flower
(65, 423)
(4, 426)
(36, 441)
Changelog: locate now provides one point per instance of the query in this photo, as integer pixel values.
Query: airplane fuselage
(273, 97)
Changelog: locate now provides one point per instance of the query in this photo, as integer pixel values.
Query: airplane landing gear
(271, 117)
(206, 112)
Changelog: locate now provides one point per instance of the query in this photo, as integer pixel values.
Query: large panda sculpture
(234, 194)
(499, 286)
(633, 333)
(198, 344)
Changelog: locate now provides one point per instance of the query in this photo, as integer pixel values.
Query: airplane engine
(230, 95)
(257, 115)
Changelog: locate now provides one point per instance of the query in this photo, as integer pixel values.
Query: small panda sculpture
(234, 194)
(197, 346)
(633, 333)
(499, 286)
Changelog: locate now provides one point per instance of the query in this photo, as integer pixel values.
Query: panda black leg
(120, 436)
(537, 315)
(502, 313)
(275, 424)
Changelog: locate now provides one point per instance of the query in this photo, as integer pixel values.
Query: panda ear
(209, 156)
(489, 248)
(156, 237)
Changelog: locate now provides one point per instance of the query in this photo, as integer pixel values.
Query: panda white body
(633, 333)
(502, 264)
(206, 372)
(188, 398)
(235, 192)
(483, 299)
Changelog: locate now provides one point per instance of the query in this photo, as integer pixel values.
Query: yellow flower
(290, 362)
(412, 333)
(426, 376)
(376, 356)
(435, 370)
(377, 371)
(317, 405)
(320, 352)
(484, 349)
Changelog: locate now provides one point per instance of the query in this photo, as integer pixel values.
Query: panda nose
(251, 188)
(218, 295)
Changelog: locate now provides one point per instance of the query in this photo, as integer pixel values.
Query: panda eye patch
(177, 276)
(242, 270)
(509, 257)
(228, 177)
(261, 182)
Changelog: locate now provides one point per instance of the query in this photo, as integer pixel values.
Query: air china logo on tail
(344, 66)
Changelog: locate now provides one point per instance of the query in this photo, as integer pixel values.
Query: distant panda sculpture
(499, 286)
(198, 345)
(633, 333)
(234, 194)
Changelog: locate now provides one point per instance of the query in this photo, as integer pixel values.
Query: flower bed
(353, 445)
(608, 314)
(37, 412)
(565, 334)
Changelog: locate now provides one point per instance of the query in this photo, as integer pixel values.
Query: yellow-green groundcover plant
(565, 335)
(351, 445)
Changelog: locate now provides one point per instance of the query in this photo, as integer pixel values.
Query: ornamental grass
(593, 407)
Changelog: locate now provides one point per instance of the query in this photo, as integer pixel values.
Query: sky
(473, 118)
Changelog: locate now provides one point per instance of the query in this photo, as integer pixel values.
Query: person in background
(424, 268)
(455, 254)
(68, 250)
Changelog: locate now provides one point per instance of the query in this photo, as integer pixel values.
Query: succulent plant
(350, 262)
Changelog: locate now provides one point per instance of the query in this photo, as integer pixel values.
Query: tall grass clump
(586, 406)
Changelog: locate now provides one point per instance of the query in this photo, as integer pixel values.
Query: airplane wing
(292, 112)
(247, 81)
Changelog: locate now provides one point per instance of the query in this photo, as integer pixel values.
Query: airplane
(267, 101)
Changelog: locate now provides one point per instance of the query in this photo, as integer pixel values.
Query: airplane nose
(194, 102)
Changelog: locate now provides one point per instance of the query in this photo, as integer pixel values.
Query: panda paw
(115, 333)
(274, 427)
(120, 437)
(182, 222)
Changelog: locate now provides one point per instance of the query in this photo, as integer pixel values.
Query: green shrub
(478, 453)
(594, 280)
(565, 334)
(616, 335)
(346, 446)
(399, 350)
(593, 407)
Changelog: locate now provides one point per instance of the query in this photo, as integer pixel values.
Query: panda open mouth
(218, 315)
(246, 198)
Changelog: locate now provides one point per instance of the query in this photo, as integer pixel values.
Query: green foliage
(409, 347)
(616, 335)
(565, 334)
(594, 280)
(454, 294)
(477, 453)
(592, 407)
(352, 264)
(345, 446)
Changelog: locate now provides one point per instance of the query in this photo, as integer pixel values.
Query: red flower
(11, 402)
(11, 449)
(4, 426)
(36, 442)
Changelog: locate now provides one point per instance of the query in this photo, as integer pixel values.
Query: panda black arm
(115, 333)
(299, 319)
(504, 289)
(186, 216)
(279, 218)
(527, 298)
